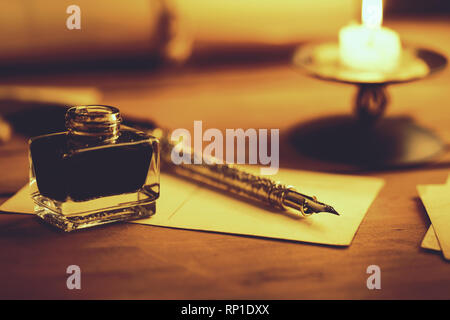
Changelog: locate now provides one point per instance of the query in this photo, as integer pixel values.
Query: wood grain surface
(134, 261)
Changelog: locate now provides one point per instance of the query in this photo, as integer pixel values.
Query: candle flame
(372, 13)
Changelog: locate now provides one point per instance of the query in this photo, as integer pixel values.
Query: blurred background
(123, 34)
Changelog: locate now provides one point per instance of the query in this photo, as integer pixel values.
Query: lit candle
(370, 47)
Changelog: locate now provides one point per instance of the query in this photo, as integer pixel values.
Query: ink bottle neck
(93, 123)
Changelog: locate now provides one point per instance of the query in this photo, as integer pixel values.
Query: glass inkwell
(94, 173)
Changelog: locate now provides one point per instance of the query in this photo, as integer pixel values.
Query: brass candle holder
(367, 139)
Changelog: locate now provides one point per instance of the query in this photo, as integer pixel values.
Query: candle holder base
(367, 139)
(391, 142)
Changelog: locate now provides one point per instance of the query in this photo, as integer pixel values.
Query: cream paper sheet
(185, 205)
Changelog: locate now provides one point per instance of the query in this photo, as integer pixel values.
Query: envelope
(436, 199)
(430, 241)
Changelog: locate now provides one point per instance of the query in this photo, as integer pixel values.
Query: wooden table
(134, 261)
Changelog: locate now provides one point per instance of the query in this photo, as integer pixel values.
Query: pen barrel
(226, 177)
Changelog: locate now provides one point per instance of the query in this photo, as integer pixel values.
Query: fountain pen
(236, 180)
(223, 176)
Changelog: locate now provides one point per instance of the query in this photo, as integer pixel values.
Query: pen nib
(330, 209)
(306, 204)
